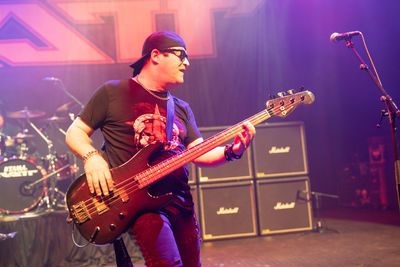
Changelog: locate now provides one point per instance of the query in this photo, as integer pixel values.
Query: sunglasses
(177, 52)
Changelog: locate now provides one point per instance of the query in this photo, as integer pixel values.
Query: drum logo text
(17, 171)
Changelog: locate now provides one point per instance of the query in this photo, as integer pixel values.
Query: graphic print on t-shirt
(150, 128)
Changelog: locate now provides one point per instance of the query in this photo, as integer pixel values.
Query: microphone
(50, 79)
(336, 37)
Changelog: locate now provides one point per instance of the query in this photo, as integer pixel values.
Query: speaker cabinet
(280, 150)
(236, 170)
(284, 205)
(227, 210)
(192, 173)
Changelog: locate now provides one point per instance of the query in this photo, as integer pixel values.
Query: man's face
(173, 64)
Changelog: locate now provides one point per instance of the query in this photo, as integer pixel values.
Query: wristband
(89, 154)
(229, 154)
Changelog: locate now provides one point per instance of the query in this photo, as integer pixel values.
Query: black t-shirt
(131, 118)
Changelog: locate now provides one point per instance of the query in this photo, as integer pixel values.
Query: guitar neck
(167, 166)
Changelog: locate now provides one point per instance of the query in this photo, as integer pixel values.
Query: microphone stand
(392, 113)
(62, 86)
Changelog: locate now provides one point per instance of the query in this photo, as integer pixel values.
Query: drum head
(15, 177)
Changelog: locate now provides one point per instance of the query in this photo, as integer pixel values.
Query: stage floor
(349, 237)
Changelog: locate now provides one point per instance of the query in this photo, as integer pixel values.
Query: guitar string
(265, 113)
(128, 188)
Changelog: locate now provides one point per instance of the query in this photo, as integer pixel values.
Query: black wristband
(229, 154)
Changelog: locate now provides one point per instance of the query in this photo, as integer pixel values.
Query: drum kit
(30, 181)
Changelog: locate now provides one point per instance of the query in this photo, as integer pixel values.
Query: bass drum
(15, 177)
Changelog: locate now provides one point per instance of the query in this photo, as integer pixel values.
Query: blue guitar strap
(170, 116)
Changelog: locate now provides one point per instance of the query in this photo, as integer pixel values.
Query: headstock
(283, 105)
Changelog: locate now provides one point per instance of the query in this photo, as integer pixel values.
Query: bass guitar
(101, 220)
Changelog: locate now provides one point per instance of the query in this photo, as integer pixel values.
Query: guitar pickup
(101, 207)
(80, 213)
(124, 196)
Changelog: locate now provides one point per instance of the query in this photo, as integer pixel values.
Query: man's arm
(216, 156)
(96, 168)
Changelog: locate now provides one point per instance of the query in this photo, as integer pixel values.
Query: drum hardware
(61, 85)
(40, 133)
(66, 107)
(71, 116)
(23, 150)
(20, 144)
(74, 166)
(51, 194)
(40, 190)
(20, 148)
(25, 113)
(56, 119)
(15, 146)
(29, 186)
(23, 136)
(62, 131)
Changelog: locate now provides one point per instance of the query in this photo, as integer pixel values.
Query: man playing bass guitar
(133, 114)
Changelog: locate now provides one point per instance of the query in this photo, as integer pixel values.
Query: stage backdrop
(240, 51)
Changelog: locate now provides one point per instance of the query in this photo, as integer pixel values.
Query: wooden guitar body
(102, 220)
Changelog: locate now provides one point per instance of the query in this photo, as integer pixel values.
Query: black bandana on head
(157, 40)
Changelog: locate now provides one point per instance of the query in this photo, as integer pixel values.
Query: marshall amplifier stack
(284, 205)
(283, 188)
(280, 150)
(227, 210)
(236, 170)
(266, 192)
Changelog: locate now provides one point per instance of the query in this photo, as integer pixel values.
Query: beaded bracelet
(229, 154)
(90, 154)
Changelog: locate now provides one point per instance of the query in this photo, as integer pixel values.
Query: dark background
(282, 45)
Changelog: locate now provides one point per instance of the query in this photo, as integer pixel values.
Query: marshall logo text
(284, 206)
(276, 150)
(223, 211)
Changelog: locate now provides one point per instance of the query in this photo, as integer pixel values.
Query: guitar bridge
(80, 213)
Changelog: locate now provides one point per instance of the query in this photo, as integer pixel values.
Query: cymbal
(56, 119)
(25, 113)
(65, 107)
(23, 136)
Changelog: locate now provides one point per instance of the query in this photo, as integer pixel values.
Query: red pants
(168, 240)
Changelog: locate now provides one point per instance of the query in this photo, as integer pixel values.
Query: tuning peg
(301, 89)
(281, 94)
(291, 92)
